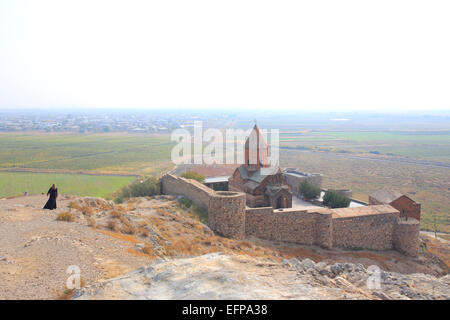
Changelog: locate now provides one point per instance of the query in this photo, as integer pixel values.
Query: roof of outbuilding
(386, 195)
(216, 179)
(363, 211)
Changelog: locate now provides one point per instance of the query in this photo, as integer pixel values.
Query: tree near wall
(308, 190)
(193, 175)
(333, 199)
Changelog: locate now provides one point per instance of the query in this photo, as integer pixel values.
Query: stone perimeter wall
(229, 216)
(374, 232)
(226, 214)
(289, 225)
(226, 210)
(406, 236)
(192, 189)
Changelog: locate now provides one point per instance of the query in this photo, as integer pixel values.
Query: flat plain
(416, 163)
(91, 164)
(100, 153)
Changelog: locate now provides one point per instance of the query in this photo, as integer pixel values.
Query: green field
(432, 145)
(124, 153)
(17, 183)
(66, 157)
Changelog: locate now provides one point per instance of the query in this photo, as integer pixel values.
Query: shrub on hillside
(202, 213)
(185, 203)
(147, 187)
(75, 205)
(147, 249)
(128, 228)
(192, 208)
(115, 214)
(87, 211)
(112, 225)
(333, 199)
(193, 175)
(144, 232)
(65, 216)
(91, 222)
(308, 190)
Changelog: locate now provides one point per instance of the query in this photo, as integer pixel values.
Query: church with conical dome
(263, 185)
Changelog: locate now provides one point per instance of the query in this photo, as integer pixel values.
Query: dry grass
(112, 225)
(87, 211)
(246, 244)
(75, 205)
(127, 226)
(67, 294)
(189, 237)
(104, 206)
(183, 247)
(128, 229)
(115, 214)
(439, 249)
(130, 206)
(124, 219)
(144, 232)
(143, 223)
(160, 226)
(120, 236)
(379, 258)
(207, 242)
(91, 222)
(147, 249)
(162, 211)
(141, 254)
(65, 216)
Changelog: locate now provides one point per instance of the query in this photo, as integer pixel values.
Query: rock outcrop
(219, 276)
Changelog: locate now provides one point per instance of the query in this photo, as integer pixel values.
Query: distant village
(93, 122)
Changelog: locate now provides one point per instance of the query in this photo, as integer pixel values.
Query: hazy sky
(310, 55)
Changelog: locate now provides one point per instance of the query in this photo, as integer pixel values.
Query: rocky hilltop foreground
(176, 256)
(217, 276)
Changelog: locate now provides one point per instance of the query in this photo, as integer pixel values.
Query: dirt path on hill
(36, 250)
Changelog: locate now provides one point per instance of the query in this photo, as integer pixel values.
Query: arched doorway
(281, 202)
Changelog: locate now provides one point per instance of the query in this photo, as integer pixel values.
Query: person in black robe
(53, 193)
